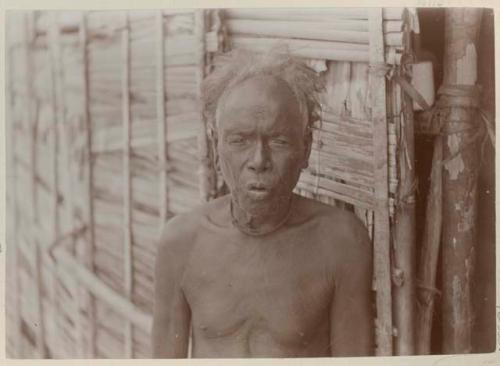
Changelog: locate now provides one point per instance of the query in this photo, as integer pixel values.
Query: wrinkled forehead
(260, 95)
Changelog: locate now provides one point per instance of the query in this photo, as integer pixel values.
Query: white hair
(237, 66)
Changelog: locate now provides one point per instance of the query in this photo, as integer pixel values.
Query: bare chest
(236, 293)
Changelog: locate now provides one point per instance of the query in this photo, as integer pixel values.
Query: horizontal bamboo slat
(337, 51)
(316, 14)
(307, 30)
(99, 19)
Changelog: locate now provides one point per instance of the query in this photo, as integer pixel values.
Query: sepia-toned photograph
(250, 182)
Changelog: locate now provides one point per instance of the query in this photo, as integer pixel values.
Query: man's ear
(307, 146)
(211, 132)
(212, 139)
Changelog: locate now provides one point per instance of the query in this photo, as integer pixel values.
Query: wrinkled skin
(262, 147)
(299, 289)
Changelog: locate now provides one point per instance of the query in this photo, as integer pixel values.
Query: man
(263, 272)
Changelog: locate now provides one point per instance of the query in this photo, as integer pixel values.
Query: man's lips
(257, 187)
(258, 190)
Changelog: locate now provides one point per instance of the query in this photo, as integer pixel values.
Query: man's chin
(259, 202)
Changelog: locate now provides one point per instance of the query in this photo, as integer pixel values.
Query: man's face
(262, 144)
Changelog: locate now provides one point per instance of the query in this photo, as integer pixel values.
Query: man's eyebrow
(278, 133)
(238, 130)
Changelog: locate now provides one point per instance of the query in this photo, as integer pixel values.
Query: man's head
(260, 108)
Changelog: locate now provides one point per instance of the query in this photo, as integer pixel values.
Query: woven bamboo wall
(104, 146)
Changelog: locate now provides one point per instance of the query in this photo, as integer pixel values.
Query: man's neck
(265, 221)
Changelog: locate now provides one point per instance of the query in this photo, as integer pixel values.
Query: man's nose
(259, 160)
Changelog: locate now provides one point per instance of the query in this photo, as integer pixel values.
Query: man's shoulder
(340, 229)
(181, 230)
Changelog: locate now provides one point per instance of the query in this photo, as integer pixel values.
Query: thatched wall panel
(52, 329)
(107, 275)
(142, 344)
(103, 119)
(44, 168)
(181, 105)
(26, 262)
(42, 76)
(18, 75)
(59, 310)
(143, 292)
(109, 345)
(108, 239)
(45, 223)
(144, 200)
(22, 153)
(110, 264)
(341, 168)
(29, 308)
(146, 225)
(109, 319)
(143, 267)
(28, 348)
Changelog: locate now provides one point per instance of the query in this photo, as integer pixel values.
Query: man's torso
(262, 296)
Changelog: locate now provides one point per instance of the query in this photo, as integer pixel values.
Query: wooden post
(404, 227)
(88, 334)
(162, 122)
(430, 253)
(127, 204)
(460, 174)
(382, 265)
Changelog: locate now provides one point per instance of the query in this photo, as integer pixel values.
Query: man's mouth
(257, 187)
(258, 190)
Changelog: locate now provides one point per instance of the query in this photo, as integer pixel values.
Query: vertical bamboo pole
(404, 227)
(127, 206)
(85, 299)
(382, 270)
(459, 178)
(54, 54)
(66, 221)
(430, 253)
(31, 124)
(58, 117)
(12, 248)
(162, 122)
(207, 171)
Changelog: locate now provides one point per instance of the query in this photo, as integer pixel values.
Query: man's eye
(236, 140)
(279, 141)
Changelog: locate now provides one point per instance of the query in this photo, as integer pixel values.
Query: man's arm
(351, 328)
(171, 315)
